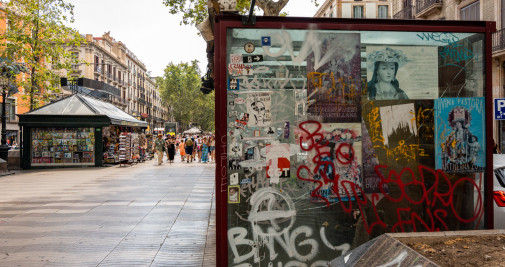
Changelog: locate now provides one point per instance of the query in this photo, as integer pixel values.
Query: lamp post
(4, 148)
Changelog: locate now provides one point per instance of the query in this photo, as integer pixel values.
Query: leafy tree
(180, 89)
(36, 35)
(195, 11)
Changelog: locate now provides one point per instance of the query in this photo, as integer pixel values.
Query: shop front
(70, 132)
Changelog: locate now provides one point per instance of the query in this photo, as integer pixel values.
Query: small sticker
(232, 95)
(233, 164)
(237, 69)
(239, 100)
(249, 47)
(241, 123)
(253, 58)
(232, 113)
(234, 194)
(231, 103)
(256, 133)
(236, 58)
(234, 179)
(266, 41)
(233, 84)
(246, 181)
(286, 130)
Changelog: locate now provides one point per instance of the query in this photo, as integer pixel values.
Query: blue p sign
(499, 109)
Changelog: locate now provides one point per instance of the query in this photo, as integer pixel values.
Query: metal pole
(4, 148)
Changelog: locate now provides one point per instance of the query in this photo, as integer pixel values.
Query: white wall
(371, 11)
(346, 11)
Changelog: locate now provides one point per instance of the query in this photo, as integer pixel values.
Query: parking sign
(499, 109)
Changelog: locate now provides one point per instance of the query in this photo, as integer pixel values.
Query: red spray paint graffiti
(436, 194)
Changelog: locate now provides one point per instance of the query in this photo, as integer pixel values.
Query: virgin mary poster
(460, 137)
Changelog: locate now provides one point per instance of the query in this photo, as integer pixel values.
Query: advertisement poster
(340, 157)
(333, 79)
(402, 72)
(259, 109)
(460, 137)
(278, 163)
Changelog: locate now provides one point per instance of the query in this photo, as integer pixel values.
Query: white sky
(151, 32)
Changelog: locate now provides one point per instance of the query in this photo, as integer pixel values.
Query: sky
(153, 34)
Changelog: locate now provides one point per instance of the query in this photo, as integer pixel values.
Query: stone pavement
(140, 215)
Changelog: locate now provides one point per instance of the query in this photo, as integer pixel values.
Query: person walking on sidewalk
(170, 149)
(189, 143)
(159, 146)
(212, 148)
(181, 149)
(205, 150)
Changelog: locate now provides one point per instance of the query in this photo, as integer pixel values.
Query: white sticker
(234, 179)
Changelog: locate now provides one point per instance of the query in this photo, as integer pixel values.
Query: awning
(77, 109)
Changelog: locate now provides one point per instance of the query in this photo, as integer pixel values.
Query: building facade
(355, 9)
(112, 72)
(485, 10)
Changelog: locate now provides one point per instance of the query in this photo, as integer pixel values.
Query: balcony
(424, 8)
(499, 41)
(407, 13)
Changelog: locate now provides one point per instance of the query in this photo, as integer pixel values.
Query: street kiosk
(331, 132)
(69, 132)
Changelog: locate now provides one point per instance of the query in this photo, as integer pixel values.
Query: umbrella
(193, 130)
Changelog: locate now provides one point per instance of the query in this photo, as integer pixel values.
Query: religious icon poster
(460, 136)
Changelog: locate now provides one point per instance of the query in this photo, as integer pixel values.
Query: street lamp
(4, 84)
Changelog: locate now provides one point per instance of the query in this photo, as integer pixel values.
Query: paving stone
(137, 216)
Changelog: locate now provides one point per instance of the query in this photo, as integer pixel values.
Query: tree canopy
(37, 35)
(195, 11)
(180, 90)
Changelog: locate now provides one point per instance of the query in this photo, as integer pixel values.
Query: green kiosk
(68, 132)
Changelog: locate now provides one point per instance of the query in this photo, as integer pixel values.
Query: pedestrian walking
(199, 150)
(205, 150)
(170, 149)
(195, 144)
(182, 151)
(212, 148)
(159, 147)
(188, 147)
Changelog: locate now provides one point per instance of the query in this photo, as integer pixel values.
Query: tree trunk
(271, 8)
(32, 89)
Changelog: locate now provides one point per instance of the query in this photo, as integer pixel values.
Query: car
(499, 190)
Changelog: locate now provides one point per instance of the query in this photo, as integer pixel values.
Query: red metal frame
(230, 21)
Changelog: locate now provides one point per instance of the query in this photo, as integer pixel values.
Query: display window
(333, 137)
(63, 146)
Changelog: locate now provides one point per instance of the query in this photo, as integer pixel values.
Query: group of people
(190, 148)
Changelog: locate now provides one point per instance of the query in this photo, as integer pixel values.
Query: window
(357, 12)
(383, 12)
(471, 12)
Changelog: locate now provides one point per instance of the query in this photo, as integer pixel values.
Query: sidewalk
(140, 215)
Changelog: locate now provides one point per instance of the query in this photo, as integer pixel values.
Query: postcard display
(125, 149)
(63, 146)
(334, 138)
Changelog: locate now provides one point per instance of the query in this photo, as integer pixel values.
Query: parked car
(499, 190)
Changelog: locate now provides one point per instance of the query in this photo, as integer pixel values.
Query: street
(140, 215)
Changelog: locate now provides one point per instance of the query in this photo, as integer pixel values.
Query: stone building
(355, 9)
(112, 72)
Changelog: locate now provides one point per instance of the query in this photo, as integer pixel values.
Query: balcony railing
(407, 13)
(426, 7)
(499, 40)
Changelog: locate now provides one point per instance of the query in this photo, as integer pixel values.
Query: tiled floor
(143, 215)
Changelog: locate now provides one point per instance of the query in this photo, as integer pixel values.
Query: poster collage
(353, 104)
